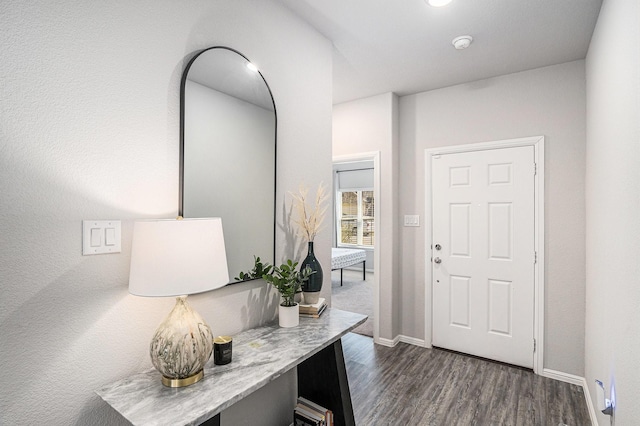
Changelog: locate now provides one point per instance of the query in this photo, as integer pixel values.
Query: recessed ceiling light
(438, 3)
(462, 42)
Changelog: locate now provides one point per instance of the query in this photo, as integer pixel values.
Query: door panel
(500, 307)
(500, 231)
(483, 218)
(459, 310)
(459, 215)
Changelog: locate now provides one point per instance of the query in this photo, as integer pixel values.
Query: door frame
(375, 157)
(537, 142)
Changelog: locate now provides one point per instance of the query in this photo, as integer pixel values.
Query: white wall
(612, 341)
(89, 129)
(368, 125)
(547, 101)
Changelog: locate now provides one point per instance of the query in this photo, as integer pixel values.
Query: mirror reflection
(228, 125)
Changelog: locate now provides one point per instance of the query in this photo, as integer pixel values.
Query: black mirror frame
(183, 82)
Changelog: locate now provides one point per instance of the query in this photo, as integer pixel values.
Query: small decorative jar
(222, 350)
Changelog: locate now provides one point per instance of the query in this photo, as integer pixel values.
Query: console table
(260, 355)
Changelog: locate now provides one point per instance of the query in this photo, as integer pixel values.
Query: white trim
(562, 377)
(388, 342)
(574, 380)
(356, 246)
(375, 157)
(538, 322)
(590, 407)
(404, 339)
(414, 341)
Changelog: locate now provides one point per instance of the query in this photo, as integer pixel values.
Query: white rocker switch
(96, 237)
(411, 220)
(110, 237)
(101, 237)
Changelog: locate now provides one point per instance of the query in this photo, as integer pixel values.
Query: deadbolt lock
(438, 247)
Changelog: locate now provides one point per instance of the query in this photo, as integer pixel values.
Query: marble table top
(260, 355)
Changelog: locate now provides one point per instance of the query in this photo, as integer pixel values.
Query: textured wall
(547, 101)
(89, 119)
(612, 341)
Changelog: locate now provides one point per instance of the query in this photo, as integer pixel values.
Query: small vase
(289, 316)
(311, 288)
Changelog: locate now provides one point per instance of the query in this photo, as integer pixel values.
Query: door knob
(437, 260)
(438, 247)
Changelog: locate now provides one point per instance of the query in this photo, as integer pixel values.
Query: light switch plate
(411, 220)
(101, 236)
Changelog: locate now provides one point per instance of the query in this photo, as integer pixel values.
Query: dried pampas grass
(309, 220)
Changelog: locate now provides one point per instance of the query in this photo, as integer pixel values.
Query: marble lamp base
(181, 346)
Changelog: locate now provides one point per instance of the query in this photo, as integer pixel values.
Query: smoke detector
(462, 42)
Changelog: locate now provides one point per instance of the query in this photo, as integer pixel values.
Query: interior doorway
(355, 253)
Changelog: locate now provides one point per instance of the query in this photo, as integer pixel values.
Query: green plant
(287, 280)
(259, 269)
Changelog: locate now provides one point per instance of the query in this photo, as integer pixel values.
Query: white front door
(483, 253)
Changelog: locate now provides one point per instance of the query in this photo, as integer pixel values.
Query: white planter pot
(288, 316)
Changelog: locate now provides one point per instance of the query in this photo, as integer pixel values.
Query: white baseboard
(413, 341)
(400, 338)
(590, 407)
(574, 380)
(388, 342)
(563, 377)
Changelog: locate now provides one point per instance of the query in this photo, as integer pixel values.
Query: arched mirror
(228, 153)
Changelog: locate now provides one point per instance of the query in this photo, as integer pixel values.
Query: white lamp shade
(177, 257)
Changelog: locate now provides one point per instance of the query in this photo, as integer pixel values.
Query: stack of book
(315, 310)
(309, 413)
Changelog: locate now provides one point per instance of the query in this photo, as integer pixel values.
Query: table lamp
(178, 258)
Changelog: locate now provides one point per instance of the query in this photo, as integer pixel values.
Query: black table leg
(323, 380)
(364, 270)
(214, 421)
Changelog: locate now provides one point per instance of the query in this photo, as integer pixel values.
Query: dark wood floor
(409, 385)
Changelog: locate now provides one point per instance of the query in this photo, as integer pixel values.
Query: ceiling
(404, 46)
